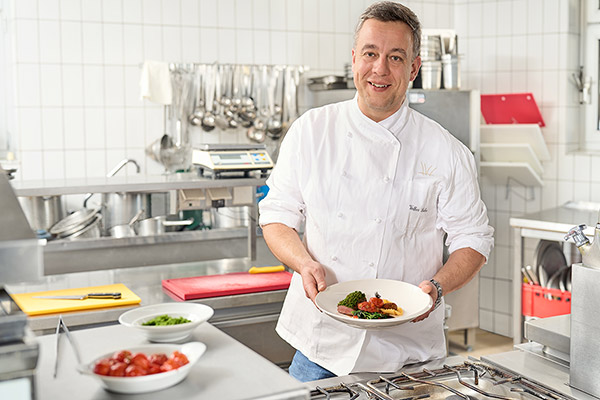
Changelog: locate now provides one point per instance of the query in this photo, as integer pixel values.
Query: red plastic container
(542, 302)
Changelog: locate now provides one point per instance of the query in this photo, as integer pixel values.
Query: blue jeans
(305, 370)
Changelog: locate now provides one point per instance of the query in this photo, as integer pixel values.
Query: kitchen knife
(260, 270)
(83, 296)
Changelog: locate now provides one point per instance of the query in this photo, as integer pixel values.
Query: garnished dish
(145, 368)
(167, 322)
(125, 363)
(373, 303)
(356, 305)
(165, 319)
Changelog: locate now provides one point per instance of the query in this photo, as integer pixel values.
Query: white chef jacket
(376, 199)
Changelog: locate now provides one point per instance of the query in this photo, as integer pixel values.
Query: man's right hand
(313, 279)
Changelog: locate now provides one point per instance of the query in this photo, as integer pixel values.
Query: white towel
(155, 82)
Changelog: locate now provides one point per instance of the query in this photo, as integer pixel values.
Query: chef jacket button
(333, 258)
(371, 264)
(340, 214)
(386, 179)
(344, 173)
(378, 220)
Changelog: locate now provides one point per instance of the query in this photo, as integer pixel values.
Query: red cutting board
(200, 287)
(513, 108)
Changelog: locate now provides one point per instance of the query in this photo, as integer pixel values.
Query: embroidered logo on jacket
(427, 169)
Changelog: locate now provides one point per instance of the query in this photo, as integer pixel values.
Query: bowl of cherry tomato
(146, 368)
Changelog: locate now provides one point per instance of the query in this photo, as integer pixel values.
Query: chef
(376, 185)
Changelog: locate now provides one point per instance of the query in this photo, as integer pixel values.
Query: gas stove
(468, 380)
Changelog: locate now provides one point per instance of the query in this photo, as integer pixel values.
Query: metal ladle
(208, 121)
(198, 114)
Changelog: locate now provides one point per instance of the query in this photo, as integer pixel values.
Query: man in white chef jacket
(377, 185)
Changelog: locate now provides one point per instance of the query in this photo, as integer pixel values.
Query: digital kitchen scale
(217, 159)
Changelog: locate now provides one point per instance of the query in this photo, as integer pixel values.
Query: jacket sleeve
(284, 203)
(461, 212)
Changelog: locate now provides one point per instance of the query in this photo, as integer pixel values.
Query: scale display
(232, 160)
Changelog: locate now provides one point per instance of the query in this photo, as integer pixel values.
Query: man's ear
(416, 64)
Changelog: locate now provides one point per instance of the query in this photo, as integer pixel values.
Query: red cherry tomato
(180, 359)
(122, 356)
(377, 302)
(140, 360)
(153, 369)
(117, 369)
(102, 367)
(134, 370)
(158, 358)
(169, 365)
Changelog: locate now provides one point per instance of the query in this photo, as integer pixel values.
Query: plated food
(356, 305)
(165, 322)
(125, 367)
(409, 299)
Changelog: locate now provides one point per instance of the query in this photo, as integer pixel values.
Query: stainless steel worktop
(146, 282)
(551, 224)
(132, 183)
(227, 370)
(560, 219)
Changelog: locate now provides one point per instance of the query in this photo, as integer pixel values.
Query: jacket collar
(393, 124)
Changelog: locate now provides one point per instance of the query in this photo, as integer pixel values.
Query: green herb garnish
(369, 315)
(162, 320)
(353, 299)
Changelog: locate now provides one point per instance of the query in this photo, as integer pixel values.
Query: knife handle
(260, 270)
(104, 295)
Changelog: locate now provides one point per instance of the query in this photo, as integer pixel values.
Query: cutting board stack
(513, 151)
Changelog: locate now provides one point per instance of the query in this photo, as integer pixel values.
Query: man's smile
(380, 86)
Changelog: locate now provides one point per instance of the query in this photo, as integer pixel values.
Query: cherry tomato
(158, 358)
(169, 365)
(122, 356)
(153, 369)
(102, 367)
(140, 360)
(134, 370)
(377, 302)
(117, 369)
(180, 359)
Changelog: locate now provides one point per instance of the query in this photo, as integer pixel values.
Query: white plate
(409, 297)
(148, 383)
(197, 313)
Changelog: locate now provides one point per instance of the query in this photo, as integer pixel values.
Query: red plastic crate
(542, 302)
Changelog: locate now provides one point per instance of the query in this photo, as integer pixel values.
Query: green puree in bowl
(166, 320)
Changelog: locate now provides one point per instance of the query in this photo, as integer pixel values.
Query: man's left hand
(427, 287)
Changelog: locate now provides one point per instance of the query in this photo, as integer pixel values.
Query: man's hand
(313, 279)
(427, 287)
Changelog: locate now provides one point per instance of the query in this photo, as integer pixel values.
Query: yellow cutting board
(32, 306)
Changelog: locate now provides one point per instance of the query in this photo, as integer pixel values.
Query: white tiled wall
(514, 46)
(71, 71)
(76, 66)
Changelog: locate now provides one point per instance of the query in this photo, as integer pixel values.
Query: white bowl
(409, 297)
(196, 313)
(148, 383)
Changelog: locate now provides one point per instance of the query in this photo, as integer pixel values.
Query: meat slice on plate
(345, 310)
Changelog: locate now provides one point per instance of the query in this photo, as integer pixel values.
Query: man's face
(383, 65)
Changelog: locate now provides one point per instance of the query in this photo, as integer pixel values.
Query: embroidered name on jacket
(417, 209)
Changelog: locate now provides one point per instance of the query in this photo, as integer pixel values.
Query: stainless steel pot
(160, 225)
(120, 208)
(91, 231)
(121, 231)
(75, 222)
(43, 211)
(230, 217)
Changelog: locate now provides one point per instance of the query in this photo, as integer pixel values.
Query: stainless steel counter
(550, 224)
(227, 370)
(146, 282)
(133, 183)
